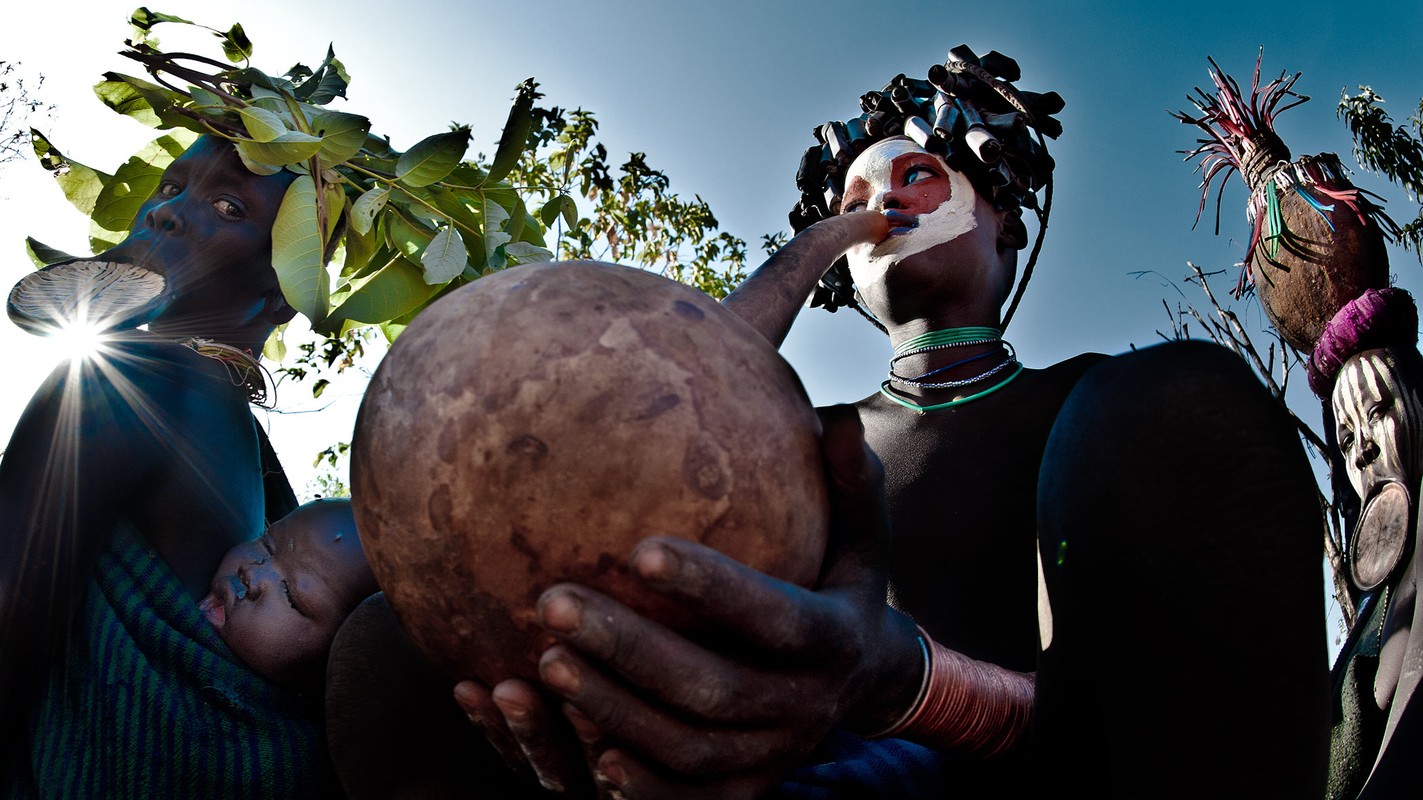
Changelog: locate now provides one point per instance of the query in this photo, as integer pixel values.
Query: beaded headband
(968, 112)
(1376, 318)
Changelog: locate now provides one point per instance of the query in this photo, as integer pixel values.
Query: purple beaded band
(1376, 318)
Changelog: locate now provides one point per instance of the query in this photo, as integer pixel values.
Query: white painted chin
(952, 219)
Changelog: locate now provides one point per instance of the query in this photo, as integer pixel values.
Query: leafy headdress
(967, 111)
(415, 222)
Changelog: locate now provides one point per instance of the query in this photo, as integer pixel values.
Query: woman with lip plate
(1367, 364)
(1102, 575)
(129, 476)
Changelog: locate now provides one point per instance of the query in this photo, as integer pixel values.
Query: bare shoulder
(172, 378)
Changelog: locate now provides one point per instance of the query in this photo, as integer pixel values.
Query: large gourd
(531, 427)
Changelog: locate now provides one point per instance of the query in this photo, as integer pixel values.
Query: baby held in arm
(278, 600)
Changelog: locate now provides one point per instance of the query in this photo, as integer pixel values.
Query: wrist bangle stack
(965, 704)
(898, 725)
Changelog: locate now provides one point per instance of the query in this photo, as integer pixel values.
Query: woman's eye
(916, 174)
(1346, 440)
(286, 590)
(858, 205)
(168, 189)
(227, 208)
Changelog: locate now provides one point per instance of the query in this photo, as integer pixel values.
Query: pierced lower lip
(903, 223)
(213, 610)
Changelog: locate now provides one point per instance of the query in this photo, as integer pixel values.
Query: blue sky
(723, 96)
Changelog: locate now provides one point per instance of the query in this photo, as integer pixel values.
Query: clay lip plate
(109, 295)
(1381, 536)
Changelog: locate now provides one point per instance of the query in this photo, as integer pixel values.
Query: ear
(276, 309)
(1012, 234)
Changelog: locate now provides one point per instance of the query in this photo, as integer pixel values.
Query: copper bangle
(966, 705)
(898, 725)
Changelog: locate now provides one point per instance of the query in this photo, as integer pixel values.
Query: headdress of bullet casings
(967, 111)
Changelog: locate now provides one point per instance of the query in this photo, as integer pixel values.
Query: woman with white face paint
(1367, 363)
(1046, 628)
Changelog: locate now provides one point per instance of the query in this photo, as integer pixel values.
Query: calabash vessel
(533, 426)
(1315, 241)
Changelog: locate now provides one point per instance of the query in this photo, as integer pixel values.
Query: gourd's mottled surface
(532, 427)
(1317, 267)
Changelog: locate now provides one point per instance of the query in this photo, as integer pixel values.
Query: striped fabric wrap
(148, 702)
(846, 767)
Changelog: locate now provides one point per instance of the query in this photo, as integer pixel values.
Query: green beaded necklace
(941, 339)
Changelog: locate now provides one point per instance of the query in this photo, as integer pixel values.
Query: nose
(166, 217)
(885, 200)
(1368, 451)
(256, 576)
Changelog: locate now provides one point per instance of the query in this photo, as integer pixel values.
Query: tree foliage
(19, 104)
(367, 235)
(1393, 151)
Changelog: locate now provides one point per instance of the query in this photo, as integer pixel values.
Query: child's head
(278, 600)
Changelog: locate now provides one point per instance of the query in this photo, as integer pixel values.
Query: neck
(976, 336)
(251, 338)
(937, 364)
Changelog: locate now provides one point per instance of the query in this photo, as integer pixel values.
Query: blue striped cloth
(846, 767)
(148, 702)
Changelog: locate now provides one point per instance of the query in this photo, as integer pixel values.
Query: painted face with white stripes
(1379, 421)
(925, 201)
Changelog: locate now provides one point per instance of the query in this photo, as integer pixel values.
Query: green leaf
(132, 185)
(364, 210)
(146, 102)
(494, 218)
(235, 44)
(525, 253)
(432, 158)
(359, 250)
(81, 184)
(257, 78)
(101, 239)
(342, 135)
(297, 251)
(396, 290)
(458, 208)
(516, 131)
(327, 83)
(206, 102)
(408, 237)
(42, 255)
(289, 148)
(275, 348)
(392, 330)
(144, 20)
(335, 204)
(562, 204)
(257, 167)
(275, 102)
(444, 258)
(262, 125)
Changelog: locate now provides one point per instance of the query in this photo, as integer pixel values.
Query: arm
(727, 721)
(770, 299)
(146, 433)
(72, 460)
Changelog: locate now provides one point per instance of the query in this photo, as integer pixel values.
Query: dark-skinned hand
(656, 714)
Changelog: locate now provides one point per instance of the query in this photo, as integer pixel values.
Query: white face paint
(902, 169)
(1379, 421)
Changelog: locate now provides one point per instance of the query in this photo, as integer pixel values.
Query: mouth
(226, 590)
(213, 610)
(900, 224)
